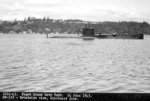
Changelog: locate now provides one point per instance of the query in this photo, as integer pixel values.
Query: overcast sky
(91, 10)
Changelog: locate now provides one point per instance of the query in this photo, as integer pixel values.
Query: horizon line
(15, 19)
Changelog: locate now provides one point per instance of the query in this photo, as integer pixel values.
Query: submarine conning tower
(88, 32)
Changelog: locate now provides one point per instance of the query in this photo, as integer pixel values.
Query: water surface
(35, 63)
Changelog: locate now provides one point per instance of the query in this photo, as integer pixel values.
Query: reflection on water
(35, 63)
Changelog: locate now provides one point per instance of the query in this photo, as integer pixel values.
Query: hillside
(47, 25)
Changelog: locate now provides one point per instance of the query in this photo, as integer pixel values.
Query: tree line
(47, 25)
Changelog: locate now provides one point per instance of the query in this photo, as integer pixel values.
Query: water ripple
(34, 63)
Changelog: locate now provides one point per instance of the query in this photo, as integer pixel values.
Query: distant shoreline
(34, 25)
